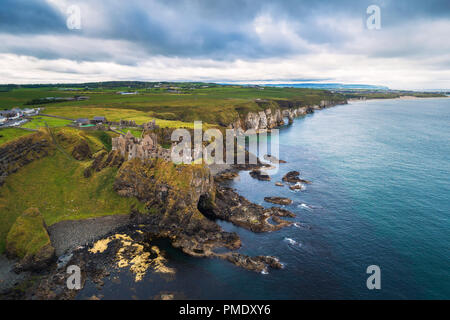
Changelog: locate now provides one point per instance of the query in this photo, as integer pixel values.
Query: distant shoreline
(397, 98)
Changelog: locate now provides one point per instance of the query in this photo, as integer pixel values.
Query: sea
(380, 196)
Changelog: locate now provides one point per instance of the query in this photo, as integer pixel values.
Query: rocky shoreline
(181, 210)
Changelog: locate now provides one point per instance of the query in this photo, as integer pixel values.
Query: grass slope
(28, 234)
(56, 186)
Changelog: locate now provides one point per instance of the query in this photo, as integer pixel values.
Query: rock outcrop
(232, 207)
(81, 150)
(293, 177)
(175, 196)
(260, 175)
(278, 200)
(102, 160)
(258, 263)
(273, 159)
(183, 200)
(28, 240)
(22, 151)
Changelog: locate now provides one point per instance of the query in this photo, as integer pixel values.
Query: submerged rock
(293, 177)
(273, 159)
(232, 207)
(260, 175)
(297, 186)
(279, 184)
(278, 200)
(258, 263)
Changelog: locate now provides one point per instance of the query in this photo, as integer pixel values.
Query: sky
(244, 41)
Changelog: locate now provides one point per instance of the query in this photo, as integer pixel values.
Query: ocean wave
(305, 206)
(298, 187)
(300, 225)
(292, 242)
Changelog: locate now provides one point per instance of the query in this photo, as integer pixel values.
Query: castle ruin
(131, 147)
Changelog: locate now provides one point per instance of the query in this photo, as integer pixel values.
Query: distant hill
(329, 86)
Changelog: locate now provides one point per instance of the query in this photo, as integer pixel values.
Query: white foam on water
(304, 206)
(292, 242)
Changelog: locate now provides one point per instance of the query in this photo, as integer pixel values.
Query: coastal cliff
(275, 116)
(183, 200)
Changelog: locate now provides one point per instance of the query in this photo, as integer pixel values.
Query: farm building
(97, 120)
(82, 121)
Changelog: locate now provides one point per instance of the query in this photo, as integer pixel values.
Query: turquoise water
(380, 196)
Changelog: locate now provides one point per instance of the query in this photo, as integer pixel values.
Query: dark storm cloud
(217, 29)
(29, 16)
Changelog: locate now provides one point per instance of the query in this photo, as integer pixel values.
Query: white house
(29, 112)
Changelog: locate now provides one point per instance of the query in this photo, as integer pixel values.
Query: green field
(8, 134)
(218, 105)
(42, 121)
(135, 132)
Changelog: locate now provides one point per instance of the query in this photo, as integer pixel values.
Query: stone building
(131, 147)
(150, 125)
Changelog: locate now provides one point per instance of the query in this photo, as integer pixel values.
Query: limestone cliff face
(272, 118)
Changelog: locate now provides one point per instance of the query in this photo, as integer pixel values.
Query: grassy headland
(56, 184)
(57, 187)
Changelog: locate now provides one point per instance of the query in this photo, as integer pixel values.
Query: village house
(8, 113)
(98, 120)
(82, 121)
(30, 112)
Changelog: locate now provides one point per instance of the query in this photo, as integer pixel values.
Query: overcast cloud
(227, 40)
